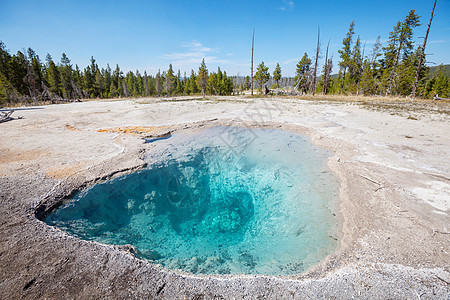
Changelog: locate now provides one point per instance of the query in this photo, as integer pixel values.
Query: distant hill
(434, 71)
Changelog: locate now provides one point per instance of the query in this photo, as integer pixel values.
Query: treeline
(386, 70)
(24, 78)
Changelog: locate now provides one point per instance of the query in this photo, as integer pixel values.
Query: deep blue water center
(227, 200)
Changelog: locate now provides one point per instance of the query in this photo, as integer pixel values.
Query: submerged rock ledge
(393, 201)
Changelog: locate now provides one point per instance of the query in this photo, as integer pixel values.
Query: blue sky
(148, 35)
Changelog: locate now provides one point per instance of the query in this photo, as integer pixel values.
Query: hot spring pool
(228, 200)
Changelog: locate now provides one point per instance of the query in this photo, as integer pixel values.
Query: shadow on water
(151, 140)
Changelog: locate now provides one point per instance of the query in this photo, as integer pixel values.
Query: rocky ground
(393, 161)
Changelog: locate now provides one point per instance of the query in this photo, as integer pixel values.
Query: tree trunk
(360, 71)
(313, 87)
(343, 80)
(422, 55)
(391, 76)
(325, 75)
(251, 70)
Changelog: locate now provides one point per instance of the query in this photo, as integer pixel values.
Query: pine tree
(131, 83)
(98, 84)
(139, 84)
(302, 74)
(262, 75)
(94, 66)
(34, 77)
(422, 54)
(370, 77)
(146, 89)
(441, 87)
(9, 70)
(19, 70)
(193, 87)
(5, 58)
(158, 84)
(247, 83)
(151, 86)
(212, 85)
(355, 59)
(407, 70)
(179, 84)
(5, 89)
(66, 77)
(354, 68)
(218, 81)
(5, 74)
(170, 81)
(113, 93)
(202, 79)
(227, 84)
(400, 44)
(78, 82)
(277, 74)
(88, 83)
(53, 77)
(107, 81)
(187, 84)
(345, 53)
(48, 58)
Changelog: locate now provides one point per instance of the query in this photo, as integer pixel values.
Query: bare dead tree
(375, 50)
(146, 83)
(422, 54)
(6, 116)
(313, 86)
(327, 70)
(251, 68)
(360, 70)
(125, 89)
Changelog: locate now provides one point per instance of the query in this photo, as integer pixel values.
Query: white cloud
(286, 5)
(289, 61)
(196, 46)
(194, 51)
(194, 54)
(420, 43)
(438, 42)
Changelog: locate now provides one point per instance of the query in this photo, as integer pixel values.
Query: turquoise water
(228, 200)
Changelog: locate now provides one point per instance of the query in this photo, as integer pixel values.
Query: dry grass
(391, 104)
(413, 109)
(360, 98)
(258, 95)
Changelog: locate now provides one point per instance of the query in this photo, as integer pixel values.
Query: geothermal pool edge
(39, 261)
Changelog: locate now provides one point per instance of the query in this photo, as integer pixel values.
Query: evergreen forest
(386, 70)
